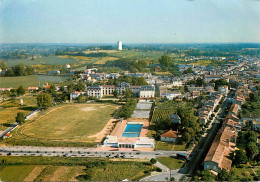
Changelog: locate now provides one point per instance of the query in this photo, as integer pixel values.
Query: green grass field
(71, 122)
(170, 162)
(117, 171)
(50, 60)
(10, 108)
(164, 145)
(14, 173)
(31, 80)
(70, 169)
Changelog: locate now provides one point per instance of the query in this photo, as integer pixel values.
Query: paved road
(81, 152)
(164, 176)
(8, 129)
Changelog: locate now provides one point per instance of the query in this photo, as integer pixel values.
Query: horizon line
(136, 43)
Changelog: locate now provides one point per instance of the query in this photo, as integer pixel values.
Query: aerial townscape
(121, 108)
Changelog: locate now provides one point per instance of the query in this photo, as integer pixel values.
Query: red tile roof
(170, 134)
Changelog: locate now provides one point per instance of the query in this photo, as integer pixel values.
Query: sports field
(70, 122)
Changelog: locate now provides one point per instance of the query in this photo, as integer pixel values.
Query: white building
(120, 45)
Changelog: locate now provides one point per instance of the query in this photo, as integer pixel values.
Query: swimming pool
(132, 130)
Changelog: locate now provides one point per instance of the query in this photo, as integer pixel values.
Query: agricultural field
(117, 171)
(162, 114)
(70, 122)
(31, 80)
(148, 56)
(103, 60)
(50, 60)
(70, 169)
(170, 162)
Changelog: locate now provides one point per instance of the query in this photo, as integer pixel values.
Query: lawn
(179, 147)
(164, 145)
(31, 80)
(70, 122)
(170, 162)
(242, 173)
(14, 173)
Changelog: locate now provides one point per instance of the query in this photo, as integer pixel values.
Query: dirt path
(34, 173)
(58, 173)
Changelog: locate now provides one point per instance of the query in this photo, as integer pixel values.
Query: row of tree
(133, 66)
(127, 110)
(18, 70)
(128, 79)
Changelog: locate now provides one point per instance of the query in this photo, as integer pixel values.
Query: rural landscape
(126, 107)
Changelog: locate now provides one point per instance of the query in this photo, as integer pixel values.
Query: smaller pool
(132, 130)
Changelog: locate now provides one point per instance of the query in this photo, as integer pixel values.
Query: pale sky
(132, 21)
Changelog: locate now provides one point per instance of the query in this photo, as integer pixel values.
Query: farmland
(70, 169)
(70, 122)
(31, 80)
(162, 114)
(51, 60)
(118, 171)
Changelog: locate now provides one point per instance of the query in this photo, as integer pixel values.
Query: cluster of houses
(209, 107)
(224, 143)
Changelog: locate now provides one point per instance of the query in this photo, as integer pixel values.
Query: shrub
(159, 169)
(153, 160)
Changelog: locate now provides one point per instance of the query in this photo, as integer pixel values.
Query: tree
(189, 70)
(251, 150)
(9, 72)
(153, 160)
(115, 93)
(20, 118)
(240, 157)
(165, 61)
(3, 65)
(80, 86)
(224, 175)
(44, 100)
(52, 89)
(128, 93)
(20, 90)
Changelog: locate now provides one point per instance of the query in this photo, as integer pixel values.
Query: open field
(31, 80)
(71, 122)
(70, 169)
(163, 145)
(15, 173)
(10, 108)
(170, 162)
(50, 60)
(148, 56)
(103, 60)
(117, 171)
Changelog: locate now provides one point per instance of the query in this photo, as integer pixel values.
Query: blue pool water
(132, 130)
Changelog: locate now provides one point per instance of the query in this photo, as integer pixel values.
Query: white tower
(119, 43)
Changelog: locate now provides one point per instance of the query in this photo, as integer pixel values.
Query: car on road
(159, 154)
(9, 153)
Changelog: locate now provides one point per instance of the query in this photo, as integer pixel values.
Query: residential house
(170, 136)
(175, 118)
